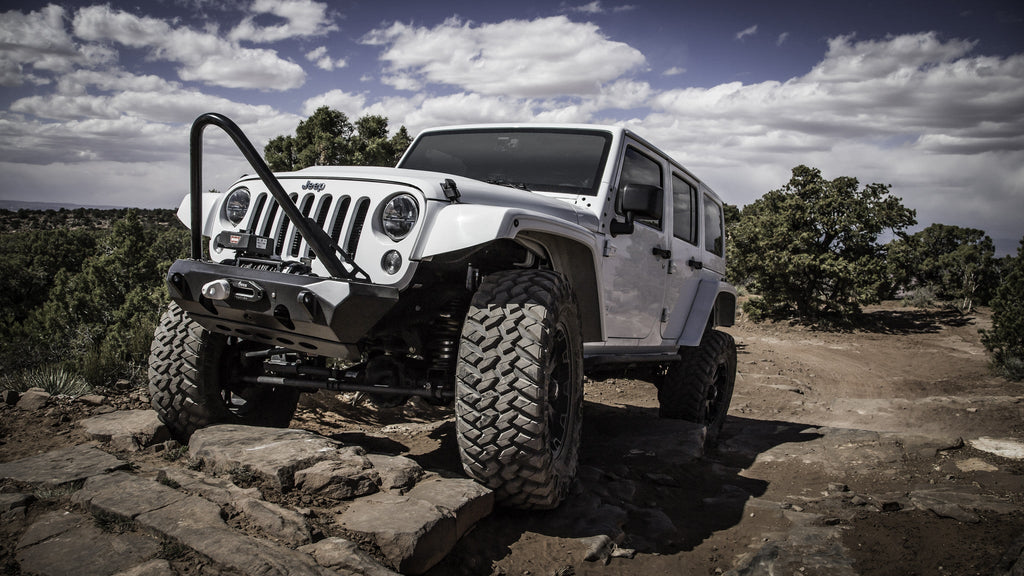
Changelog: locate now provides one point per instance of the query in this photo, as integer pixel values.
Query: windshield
(568, 161)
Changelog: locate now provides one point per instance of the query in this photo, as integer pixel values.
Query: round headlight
(236, 206)
(399, 216)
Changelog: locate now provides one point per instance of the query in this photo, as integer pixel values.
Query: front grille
(330, 211)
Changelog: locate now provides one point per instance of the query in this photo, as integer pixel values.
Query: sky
(96, 98)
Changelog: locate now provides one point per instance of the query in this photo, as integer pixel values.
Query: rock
(976, 465)
(838, 487)
(92, 399)
(125, 495)
(62, 466)
(129, 430)
(62, 542)
(9, 397)
(1012, 562)
(218, 490)
(396, 472)
(33, 399)
(274, 453)
(599, 548)
(341, 554)
(1012, 449)
(197, 523)
(279, 523)
(468, 501)
(156, 567)
(15, 500)
(351, 476)
(412, 540)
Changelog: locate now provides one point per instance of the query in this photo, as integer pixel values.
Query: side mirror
(644, 200)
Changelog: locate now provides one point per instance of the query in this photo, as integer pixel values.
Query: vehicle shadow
(644, 483)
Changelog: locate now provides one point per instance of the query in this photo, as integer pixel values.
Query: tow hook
(222, 289)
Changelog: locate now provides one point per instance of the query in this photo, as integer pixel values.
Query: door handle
(666, 254)
(695, 264)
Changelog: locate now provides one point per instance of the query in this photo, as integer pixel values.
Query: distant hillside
(23, 218)
(15, 205)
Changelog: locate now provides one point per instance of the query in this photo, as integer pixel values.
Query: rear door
(687, 257)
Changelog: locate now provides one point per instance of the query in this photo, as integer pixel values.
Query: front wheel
(699, 386)
(519, 389)
(196, 380)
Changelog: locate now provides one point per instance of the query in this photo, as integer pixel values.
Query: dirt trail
(886, 450)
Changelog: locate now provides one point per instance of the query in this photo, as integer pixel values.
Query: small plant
(243, 476)
(52, 378)
(112, 523)
(176, 453)
(57, 493)
(169, 482)
(170, 550)
(923, 297)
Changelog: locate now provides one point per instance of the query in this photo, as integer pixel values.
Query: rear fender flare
(714, 304)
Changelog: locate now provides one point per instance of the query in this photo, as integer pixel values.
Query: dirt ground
(911, 374)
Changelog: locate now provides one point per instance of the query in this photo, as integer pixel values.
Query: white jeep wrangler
(493, 268)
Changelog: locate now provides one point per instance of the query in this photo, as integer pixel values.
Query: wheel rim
(713, 398)
(560, 384)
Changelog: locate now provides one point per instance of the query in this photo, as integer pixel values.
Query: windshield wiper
(516, 185)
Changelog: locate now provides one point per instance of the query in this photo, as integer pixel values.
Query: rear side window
(684, 217)
(714, 233)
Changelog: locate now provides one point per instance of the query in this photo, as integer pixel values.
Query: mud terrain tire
(698, 388)
(519, 388)
(194, 380)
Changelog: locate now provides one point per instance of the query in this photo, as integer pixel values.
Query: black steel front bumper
(321, 316)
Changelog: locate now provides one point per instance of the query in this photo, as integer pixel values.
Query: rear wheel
(519, 390)
(699, 386)
(196, 379)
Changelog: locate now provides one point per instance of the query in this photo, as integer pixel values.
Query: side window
(638, 168)
(714, 234)
(684, 217)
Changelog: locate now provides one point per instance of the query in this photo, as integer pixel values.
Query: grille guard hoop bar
(318, 241)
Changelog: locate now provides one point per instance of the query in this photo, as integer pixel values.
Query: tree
(810, 249)
(957, 263)
(1005, 341)
(328, 138)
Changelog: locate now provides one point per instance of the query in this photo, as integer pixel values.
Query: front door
(635, 264)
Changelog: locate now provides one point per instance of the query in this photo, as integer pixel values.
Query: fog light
(391, 262)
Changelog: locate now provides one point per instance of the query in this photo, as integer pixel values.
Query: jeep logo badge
(310, 185)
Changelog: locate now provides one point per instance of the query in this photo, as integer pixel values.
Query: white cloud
(782, 39)
(674, 71)
(323, 61)
(746, 32)
(40, 41)
(944, 128)
(303, 18)
(203, 56)
(537, 58)
(591, 8)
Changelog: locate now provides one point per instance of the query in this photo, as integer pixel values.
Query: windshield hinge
(451, 191)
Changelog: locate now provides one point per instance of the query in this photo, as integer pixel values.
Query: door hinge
(609, 248)
(664, 315)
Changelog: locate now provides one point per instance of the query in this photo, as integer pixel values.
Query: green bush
(91, 308)
(1005, 341)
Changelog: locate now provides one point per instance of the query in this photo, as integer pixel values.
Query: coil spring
(446, 329)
